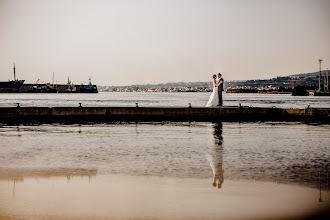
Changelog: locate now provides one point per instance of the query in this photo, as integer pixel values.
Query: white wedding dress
(214, 98)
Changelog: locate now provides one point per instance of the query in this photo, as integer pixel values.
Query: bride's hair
(214, 76)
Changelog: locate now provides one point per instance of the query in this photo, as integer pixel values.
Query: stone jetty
(103, 114)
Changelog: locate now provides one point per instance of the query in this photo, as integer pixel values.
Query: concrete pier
(72, 115)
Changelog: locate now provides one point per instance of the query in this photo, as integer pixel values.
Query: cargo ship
(12, 85)
(18, 86)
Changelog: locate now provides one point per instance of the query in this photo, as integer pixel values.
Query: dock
(16, 115)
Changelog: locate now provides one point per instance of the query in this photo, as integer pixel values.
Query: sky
(126, 42)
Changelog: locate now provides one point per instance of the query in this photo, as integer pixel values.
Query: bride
(214, 98)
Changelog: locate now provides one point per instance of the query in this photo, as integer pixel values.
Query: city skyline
(129, 42)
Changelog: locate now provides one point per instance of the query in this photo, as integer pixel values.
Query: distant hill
(174, 84)
(307, 79)
(309, 75)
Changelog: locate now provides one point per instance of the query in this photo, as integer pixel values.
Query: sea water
(161, 99)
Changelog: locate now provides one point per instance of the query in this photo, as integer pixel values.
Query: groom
(220, 88)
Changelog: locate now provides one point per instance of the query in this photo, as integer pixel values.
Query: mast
(53, 78)
(325, 83)
(14, 72)
(320, 60)
(328, 80)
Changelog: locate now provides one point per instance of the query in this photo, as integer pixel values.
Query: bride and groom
(216, 96)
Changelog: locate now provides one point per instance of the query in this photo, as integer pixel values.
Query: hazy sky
(151, 41)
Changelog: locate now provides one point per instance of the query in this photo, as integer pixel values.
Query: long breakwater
(82, 114)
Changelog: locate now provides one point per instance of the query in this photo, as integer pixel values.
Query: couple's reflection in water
(215, 156)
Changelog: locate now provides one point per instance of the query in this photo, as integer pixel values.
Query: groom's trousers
(220, 89)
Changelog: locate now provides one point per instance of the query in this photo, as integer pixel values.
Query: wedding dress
(214, 98)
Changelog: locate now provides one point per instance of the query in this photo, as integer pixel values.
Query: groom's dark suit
(220, 89)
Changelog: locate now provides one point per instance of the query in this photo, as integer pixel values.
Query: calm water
(278, 152)
(164, 170)
(162, 99)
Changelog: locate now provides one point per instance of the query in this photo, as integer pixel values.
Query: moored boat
(11, 85)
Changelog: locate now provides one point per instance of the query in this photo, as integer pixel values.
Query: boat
(11, 85)
(40, 88)
(90, 88)
(71, 88)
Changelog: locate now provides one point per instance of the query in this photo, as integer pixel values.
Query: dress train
(214, 98)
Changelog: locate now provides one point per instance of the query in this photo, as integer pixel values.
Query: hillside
(287, 82)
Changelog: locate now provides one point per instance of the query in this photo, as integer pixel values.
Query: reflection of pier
(215, 157)
(18, 175)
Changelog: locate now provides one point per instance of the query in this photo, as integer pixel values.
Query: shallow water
(236, 166)
(279, 152)
(128, 197)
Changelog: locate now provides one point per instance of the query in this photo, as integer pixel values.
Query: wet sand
(141, 197)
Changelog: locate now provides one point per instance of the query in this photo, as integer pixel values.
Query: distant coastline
(278, 85)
